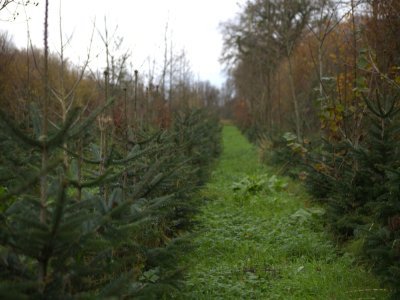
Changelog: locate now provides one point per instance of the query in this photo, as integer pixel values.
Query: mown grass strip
(258, 238)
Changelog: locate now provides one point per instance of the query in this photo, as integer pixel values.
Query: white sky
(193, 25)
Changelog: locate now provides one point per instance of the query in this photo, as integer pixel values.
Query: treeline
(98, 174)
(148, 98)
(321, 79)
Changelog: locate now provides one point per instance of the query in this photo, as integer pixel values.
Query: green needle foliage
(111, 232)
(359, 184)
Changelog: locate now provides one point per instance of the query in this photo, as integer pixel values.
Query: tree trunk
(295, 101)
(321, 70)
(42, 267)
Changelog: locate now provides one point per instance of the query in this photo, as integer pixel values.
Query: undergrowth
(259, 238)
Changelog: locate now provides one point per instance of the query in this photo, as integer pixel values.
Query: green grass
(257, 239)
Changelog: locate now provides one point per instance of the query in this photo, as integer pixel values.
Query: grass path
(257, 239)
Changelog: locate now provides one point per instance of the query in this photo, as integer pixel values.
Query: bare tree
(64, 96)
(323, 22)
(12, 6)
(293, 18)
(44, 135)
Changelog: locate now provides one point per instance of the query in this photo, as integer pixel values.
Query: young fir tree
(361, 186)
(91, 245)
(380, 162)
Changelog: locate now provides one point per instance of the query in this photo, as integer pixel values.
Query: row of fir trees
(97, 177)
(321, 79)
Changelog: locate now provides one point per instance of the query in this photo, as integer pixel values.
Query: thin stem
(45, 157)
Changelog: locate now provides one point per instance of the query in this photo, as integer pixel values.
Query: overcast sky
(193, 25)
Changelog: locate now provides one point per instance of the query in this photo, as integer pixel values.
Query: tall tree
(292, 18)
